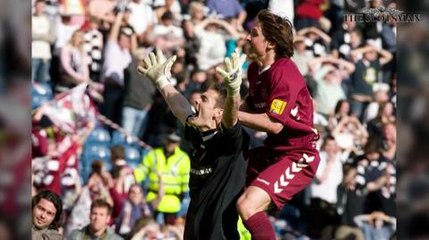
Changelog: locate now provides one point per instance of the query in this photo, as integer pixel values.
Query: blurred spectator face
(127, 15)
(355, 38)
(124, 42)
(177, 67)
(333, 76)
(198, 14)
(387, 110)
(330, 76)
(377, 223)
(370, 55)
(331, 147)
(135, 194)
(96, 185)
(43, 213)
(77, 39)
(212, 27)
(124, 170)
(66, 19)
(257, 40)
(376, 3)
(97, 167)
(372, 156)
(344, 108)
(312, 35)
(381, 96)
(94, 23)
(196, 10)
(153, 232)
(95, 190)
(389, 131)
(394, 5)
(171, 145)
(299, 46)
(39, 8)
(199, 77)
(350, 178)
(99, 218)
(167, 22)
(167, 18)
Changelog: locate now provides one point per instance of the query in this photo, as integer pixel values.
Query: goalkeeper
(218, 167)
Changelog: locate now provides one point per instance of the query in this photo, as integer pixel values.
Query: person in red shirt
(280, 104)
(308, 13)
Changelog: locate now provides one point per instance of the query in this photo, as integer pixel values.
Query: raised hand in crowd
(338, 63)
(384, 55)
(325, 37)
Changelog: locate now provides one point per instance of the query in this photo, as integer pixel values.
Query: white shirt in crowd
(64, 34)
(327, 189)
(39, 48)
(162, 30)
(141, 16)
(175, 8)
(283, 8)
(212, 48)
(116, 61)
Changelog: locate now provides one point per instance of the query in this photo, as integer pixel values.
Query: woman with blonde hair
(74, 67)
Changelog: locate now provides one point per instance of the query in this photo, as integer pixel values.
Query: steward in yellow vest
(173, 165)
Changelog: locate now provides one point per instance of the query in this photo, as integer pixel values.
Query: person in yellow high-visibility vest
(174, 166)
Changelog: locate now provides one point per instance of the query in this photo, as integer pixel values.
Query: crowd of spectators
(349, 68)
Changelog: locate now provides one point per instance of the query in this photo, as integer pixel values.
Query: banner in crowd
(71, 113)
(72, 110)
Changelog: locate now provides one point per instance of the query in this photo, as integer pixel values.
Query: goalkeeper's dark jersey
(217, 179)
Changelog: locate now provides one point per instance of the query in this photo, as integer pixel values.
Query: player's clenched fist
(157, 68)
(232, 73)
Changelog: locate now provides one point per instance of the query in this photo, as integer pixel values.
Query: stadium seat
(133, 155)
(42, 89)
(98, 136)
(90, 154)
(37, 100)
(119, 138)
(40, 93)
(144, 152)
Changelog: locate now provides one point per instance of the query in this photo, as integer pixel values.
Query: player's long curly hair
(277, 30)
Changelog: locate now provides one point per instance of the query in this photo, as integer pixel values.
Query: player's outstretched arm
(157, 68)
(232, 75)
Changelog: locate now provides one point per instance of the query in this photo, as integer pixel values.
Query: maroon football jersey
(282, 93)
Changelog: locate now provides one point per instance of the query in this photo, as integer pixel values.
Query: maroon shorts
(281, 176)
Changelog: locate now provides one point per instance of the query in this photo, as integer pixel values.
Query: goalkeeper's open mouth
(195, 113)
